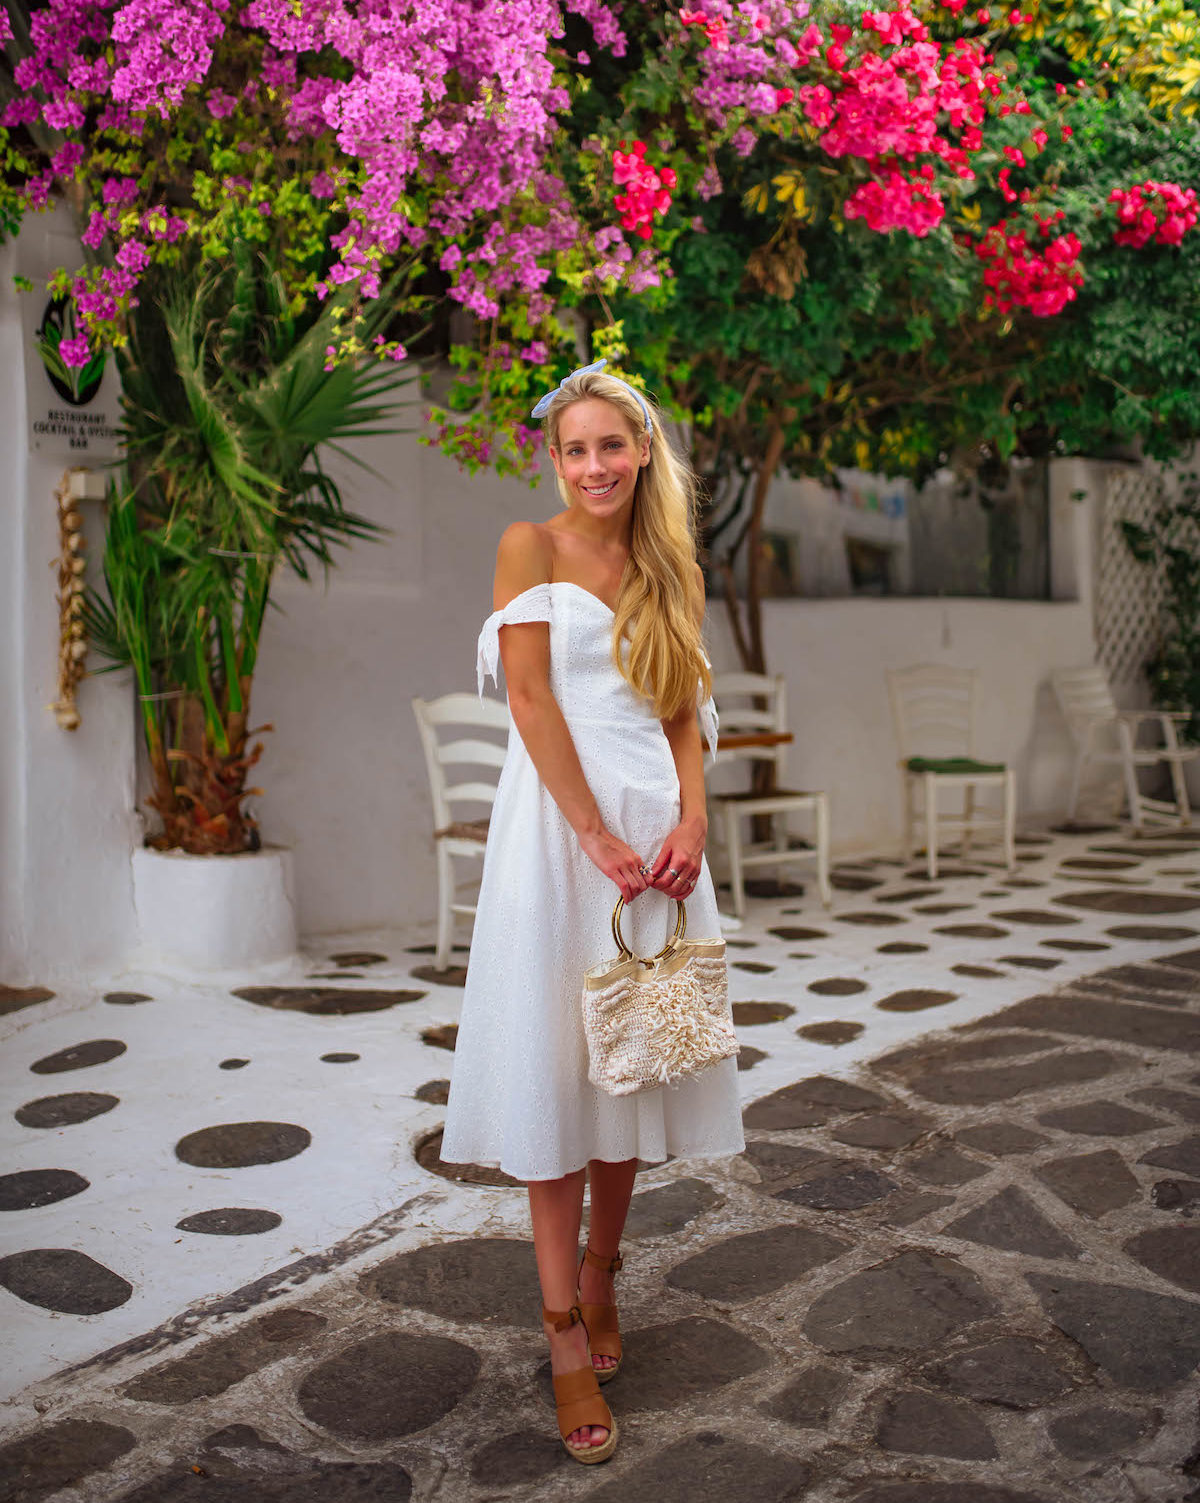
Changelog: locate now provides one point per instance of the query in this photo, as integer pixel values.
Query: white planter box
(215, 912)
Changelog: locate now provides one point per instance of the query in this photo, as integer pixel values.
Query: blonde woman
(597, 621)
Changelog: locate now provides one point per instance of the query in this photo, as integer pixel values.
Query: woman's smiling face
(598, 457)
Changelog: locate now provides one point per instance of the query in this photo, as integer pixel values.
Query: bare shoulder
(524, 559)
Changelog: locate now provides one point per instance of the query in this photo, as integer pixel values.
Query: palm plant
(227, 403)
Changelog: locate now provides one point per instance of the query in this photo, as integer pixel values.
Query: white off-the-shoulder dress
(520, 1097)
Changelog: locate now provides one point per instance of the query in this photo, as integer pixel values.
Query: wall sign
(72, 412)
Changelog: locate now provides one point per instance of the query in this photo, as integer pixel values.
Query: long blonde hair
(659, 596)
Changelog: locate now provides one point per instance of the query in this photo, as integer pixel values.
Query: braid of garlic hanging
(72, 644)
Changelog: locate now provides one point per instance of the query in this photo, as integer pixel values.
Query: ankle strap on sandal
(562, 1320)
(606, 1265)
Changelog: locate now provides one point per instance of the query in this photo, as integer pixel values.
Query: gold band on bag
(627, 954)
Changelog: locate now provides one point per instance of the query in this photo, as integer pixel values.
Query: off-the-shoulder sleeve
(530, 605)
(709, 721)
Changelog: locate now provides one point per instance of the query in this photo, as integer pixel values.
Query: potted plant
(228, 400)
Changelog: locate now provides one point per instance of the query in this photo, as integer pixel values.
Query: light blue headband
(543, 407)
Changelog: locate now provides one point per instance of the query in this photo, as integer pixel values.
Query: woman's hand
(676, 868)
(619, 862)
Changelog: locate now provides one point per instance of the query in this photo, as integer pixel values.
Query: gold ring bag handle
(627, 954)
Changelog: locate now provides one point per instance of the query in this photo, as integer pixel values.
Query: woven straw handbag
(651, 1022)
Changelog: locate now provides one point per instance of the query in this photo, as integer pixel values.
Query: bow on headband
(543, 406)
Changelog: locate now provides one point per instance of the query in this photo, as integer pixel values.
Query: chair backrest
(439, 721)
(1084, 697)
(933, 710)
(750, 702)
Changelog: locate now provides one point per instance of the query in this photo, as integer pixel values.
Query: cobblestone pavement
(965, 1271)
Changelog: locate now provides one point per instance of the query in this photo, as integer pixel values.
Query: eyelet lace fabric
(520, 1096)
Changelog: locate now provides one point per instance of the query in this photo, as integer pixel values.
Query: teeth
(603, 491)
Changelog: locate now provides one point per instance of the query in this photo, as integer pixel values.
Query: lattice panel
(1129, 595)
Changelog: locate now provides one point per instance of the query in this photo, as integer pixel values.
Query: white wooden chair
(1104, 734)
(934, 710)
(440, 721)
(756, 731)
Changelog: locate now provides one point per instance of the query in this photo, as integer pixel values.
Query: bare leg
(556, 1210)
(612, 1188)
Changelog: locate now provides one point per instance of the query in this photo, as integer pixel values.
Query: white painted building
(343, 772)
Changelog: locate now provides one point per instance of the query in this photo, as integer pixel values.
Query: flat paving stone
(354, 958)
(748, 1057)
(944, 1165)
(905, 1210)
(26, 1188)
(1000, 1138)
(1188, 960)
(237, 1145)
(1149, 978)
(522, 1456)
(846, 1191)
(488, 1280)
(436, 1092)
(669, 1208)
(1183, 1103)
(779, 1161)
(832, 1032)
(984, 1087)
(837, 986)
(926, 1424)
(1031, 962)
(1141, 1340)
(666, 1365)
(1175, 1194)
(1091, 1183)
(883, 1130)
(1010, 1222)
(906, 1304)
(1122, 900)
(326, 1001)
(55, 1456)
(1043, 918)
(978, 972)
(1100, 1119)
(127, 999)
(1078, 946)
(428, 1153)
(1013, 1371)
(63, 1280)
(964, 1050)
(915, 999)
(446, 975)
(233, 1064)
(972, 931)
(810, 1103)
(1172, 1252)
(1145, 1025)
(367, 1392)
(902, 947)
(798, 931)
(709, 1465)
(811, 1397)
(66, 1110)
(15, 998)
(218, 1364)
(440, 1036)
(751, 1014)
(932, 1491)
(266, 1473)
(230, 1221)
(1097, 1431)
(753, 968)
(1184, 1156)
(1152, 932)
(755, 1263)
(871, 918)
(79, 1056)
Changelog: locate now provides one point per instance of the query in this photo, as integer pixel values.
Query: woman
(597, 620)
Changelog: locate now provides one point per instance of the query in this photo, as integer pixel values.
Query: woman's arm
(524, 559)
(684, 847)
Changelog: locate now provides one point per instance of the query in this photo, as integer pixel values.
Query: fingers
(631, 877)
(678, 875)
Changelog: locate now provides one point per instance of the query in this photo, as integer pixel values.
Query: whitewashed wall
(344, 778)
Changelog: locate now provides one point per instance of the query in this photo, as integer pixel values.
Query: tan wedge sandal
(577, 1398)
(603, 1327)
